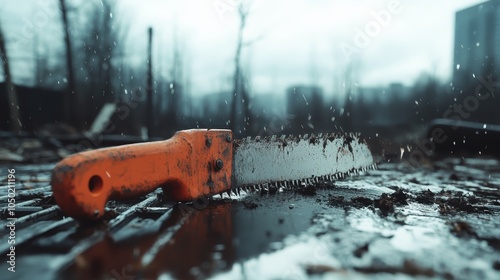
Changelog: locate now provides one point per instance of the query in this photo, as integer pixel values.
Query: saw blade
(291, 161)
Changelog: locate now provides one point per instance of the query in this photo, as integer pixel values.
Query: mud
(442, 221)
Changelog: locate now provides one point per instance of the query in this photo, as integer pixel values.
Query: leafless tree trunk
(149, 90)
(10, 89)
(240, 100)
(102, 32)
(71, 111)
(174, 90)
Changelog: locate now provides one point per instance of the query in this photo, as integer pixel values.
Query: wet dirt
(395, 221)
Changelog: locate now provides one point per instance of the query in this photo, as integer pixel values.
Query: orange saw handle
(191, 164)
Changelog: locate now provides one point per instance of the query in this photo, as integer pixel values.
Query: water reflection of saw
(183, 242)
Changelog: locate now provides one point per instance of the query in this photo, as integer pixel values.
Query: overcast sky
(297, 38)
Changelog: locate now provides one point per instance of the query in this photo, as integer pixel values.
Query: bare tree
(149, 82)
(70, 99)
(349, 76)
(174, 91)
(10, 88)
(102, 36)
(240, 112)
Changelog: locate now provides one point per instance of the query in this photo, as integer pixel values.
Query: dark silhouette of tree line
(97, 73)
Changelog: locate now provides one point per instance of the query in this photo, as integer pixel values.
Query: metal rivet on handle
(218, 164)
(210, 184)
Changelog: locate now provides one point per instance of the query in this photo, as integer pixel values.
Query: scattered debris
(454, 177)
(250, 205)
(307, 190)
(336, 201)
(6, 155)
(462, 229)
(385, 203)
(318, 269)
(110, 214)
(399, 197)
(457, 202)
(414, 181)
(408, 268)
(360, 251)
(360, 201)
(425, 197)
(47, 201)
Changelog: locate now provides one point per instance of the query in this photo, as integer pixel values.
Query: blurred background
(150, 68)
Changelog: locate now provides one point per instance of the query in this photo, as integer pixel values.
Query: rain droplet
(458, 66)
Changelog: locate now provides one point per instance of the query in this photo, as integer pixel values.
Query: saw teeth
(272, 188)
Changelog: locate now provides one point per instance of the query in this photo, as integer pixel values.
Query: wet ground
(438, 221)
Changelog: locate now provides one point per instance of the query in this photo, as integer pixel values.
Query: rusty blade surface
(292, 160)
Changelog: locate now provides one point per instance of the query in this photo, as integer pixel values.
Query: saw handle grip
(190, 165)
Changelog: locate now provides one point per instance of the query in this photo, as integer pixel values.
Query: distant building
(268, 105)
(477, 43)
(387, 106)
(305, 103)
(37, 107)
(214, 109)
(386, 94)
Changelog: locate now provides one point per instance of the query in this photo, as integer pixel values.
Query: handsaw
(201, 163)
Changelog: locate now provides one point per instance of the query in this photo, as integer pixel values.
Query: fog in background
(257, 67)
